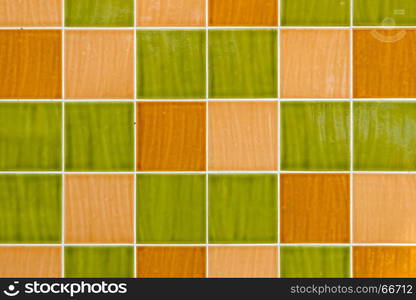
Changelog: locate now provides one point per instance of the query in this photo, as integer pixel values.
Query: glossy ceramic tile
(99, 137)
(30, 209)
(242, 64)
(167, 262)
(315, 12)
(171, 136)
(99, 208)
(30, 136)
(30, 64)
(384, 136)
(171, 209)
(315, 208)
(315, 262)
(242, 136)
(242, 209)
(315, 136)
(315, 63)
(243, 12)
(171, 64)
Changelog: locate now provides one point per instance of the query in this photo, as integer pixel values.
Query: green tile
(242, 208)
(99, 13)
(315, 12)
(30, 136)
(318, 262)
(384, 136)
(243, 64)
(30, 209)
(96, 262)
(384, 12)
(171, 64)
(315, 136)
(99, 137)
(171, 209)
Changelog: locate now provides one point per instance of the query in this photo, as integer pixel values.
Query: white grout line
(135, 143)
(206, 139)
(63, 143)
(206, 172)
(351, 135)
(278, 141)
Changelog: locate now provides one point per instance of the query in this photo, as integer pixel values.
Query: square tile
(315, 208)
(31, 64)
(315, 63)
(37, 13)
(99, 136)
(171, 209)
(170, 13)
(242, 262)
(384, 13)
(243, 63)
(384, 262)
(99, 64)
(243, 136)
(315, 136)
(99, 208)
(315, 262)
(99, 262)
(30, 262)
(315, 12)
(242, 12)
(384, 63)
(171, 262)
(171, 64)
(242, 209)
(384, 208)
(99, 13)
(384, 136)
(171, 136)
(30, 136)
(30, 209)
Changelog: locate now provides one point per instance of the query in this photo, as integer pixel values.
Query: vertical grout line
(63, 139)
(278, 138)
(351, 135)
(135, 142)
(206, 141)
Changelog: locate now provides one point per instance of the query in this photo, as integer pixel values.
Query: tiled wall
(207, 138)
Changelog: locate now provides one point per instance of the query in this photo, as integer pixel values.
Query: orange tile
(315, 63)
(170, 136)
(384, 262)
(99, 208)
(384, 208)
(30, 64)
(99, 64)
(314, 208)
(170, 12)
(243, 136)
(171, 262)
(242, 12)
(30, 262)
(30, 13)
(242, 262)
(384, 63)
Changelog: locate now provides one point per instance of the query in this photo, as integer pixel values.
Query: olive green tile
(30, 208)
(315, 136)
(384, 12)
(384, 136)
(30, 136)
(242, 208)
(171, 209)
(99, 13)
(243, 63)
(315, 262)
(171, 64)
(315, 12)
(99, 137)
(99, 262)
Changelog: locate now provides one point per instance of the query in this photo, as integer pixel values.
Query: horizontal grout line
(205, 172)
